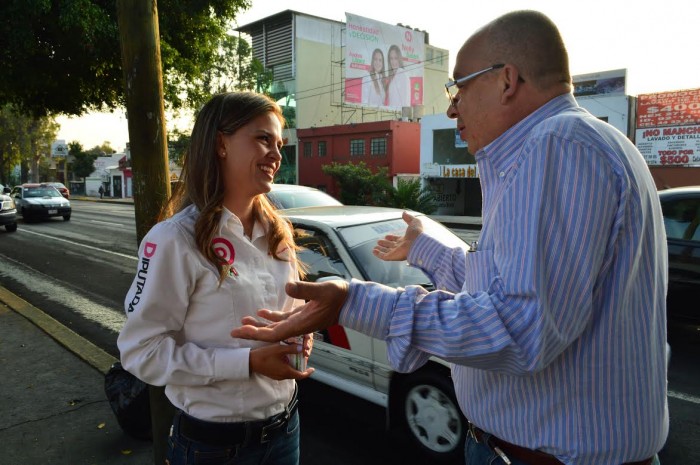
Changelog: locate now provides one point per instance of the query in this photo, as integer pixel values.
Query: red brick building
(394, 144)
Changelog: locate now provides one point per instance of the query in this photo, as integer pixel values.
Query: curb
(81, 347)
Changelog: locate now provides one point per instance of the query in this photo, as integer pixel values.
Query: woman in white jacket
(223, 254)
(373, 92)
(398, 86)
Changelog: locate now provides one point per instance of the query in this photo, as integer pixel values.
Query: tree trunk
(143, 85)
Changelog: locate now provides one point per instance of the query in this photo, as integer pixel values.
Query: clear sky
(654, 41)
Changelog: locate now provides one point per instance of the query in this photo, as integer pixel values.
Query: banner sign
(601, 83)
(677, 145)
(668, 109)
(383, 64)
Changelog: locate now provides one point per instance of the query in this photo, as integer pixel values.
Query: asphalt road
(79, 271)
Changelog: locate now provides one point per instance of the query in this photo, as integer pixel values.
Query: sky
(654, 41)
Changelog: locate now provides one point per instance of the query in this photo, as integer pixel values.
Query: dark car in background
(40, 201)
(681, 210)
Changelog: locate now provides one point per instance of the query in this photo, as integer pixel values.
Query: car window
(319, 255)
(682, 219)
(35, 192)
(284, 199)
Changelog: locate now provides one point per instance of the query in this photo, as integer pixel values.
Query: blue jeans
(281, 449)
(481, 454)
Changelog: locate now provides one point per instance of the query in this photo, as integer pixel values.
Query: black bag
(128, 397)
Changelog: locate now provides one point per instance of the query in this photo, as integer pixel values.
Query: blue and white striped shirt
(557, 325)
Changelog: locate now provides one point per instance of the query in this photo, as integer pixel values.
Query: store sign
(676, 145)
(668, 109)
(668, 128)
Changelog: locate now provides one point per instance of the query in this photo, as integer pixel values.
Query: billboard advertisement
(668, 128)
(601, 83)
(383, 64)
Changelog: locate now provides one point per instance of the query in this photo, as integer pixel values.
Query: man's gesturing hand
(396, 248)
(324, 301)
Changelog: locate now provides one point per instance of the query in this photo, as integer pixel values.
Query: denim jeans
(481, 454)
(281, 449)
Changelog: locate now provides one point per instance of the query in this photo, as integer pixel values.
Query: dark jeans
(281, 449)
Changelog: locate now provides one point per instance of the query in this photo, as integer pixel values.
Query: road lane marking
(131, 257)
(682, 396)
(107, 223)
(42, 284)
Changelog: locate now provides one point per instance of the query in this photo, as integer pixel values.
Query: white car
(285, 196)
(338, 243)
(40, 201)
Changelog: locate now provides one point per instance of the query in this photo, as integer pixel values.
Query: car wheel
(66, 217)
(11, 227)
(425, 409)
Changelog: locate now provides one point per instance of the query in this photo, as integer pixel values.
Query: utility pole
(143, 87)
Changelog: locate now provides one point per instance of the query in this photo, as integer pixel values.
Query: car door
(342, 353)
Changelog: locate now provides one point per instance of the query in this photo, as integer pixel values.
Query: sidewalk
(55, 411)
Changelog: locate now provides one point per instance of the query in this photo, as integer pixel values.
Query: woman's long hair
(202, 184)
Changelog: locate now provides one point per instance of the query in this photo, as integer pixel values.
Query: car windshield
(361, 239)
(30, 192)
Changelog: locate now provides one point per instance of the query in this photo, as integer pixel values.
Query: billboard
(668, 128)
(59, 148)
(601, 83)
(383, 64)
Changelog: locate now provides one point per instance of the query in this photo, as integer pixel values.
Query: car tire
(11, 227)
(66, 217)
(424, 409)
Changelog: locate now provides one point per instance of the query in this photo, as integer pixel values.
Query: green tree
(178, 141)
(13, 141)
(65, 54)
(41, 132)
(359, 185)
(105, 149)
(83, 162)
(409, 194)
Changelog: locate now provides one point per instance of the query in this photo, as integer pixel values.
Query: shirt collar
(232, 222)
(500, 151)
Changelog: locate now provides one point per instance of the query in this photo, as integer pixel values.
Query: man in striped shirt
(556, 322)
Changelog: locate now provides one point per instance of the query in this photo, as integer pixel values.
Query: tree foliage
(359, 185)
(83, 162)
(63, 56)
(409, 194)
(14, 141)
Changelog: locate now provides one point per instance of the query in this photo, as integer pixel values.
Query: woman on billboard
(397, 85)
(373, 92)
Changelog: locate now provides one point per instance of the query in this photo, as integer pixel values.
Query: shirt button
(501, 174)
(420, 261)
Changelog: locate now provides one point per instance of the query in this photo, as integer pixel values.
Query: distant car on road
(61, 188)
(285, 196)
(681, 210)
(337, 243)
(40, 201)
(8, 212)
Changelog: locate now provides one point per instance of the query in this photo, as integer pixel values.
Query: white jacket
(179, 319)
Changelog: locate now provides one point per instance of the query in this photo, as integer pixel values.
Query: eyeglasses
(452, 87)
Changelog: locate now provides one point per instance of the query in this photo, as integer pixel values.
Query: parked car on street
(61, 188)
(681, 210)
(337, 243)
(40, 201)
(285, 196)
(8, 212)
